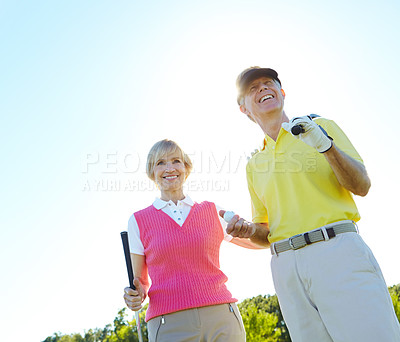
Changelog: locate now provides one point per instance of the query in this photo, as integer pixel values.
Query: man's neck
(271, 123)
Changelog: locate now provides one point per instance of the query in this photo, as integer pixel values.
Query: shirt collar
(268, 140)
(159, 203)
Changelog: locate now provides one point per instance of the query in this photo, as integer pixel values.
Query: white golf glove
(311, 133)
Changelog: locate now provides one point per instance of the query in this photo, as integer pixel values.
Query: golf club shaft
(138, 326)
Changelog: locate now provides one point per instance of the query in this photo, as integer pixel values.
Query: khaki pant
(215, 323)
(334, 291)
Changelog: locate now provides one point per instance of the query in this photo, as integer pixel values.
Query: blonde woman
(176, 241)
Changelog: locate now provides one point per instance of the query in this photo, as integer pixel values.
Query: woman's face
(170, 172)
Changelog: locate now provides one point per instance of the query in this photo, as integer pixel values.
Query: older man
(301, 184)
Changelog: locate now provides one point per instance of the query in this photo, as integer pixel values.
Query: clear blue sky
(88, 86)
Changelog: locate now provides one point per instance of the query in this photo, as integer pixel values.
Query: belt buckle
(324, 233)
(291, 242)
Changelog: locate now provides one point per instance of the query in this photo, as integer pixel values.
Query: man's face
(263, 95)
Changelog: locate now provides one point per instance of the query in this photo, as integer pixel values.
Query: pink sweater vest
(183, 262)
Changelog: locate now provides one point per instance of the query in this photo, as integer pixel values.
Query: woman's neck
(173, 196)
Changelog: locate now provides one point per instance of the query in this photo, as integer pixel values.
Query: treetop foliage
(262, 319)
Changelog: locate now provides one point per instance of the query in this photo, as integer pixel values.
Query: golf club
(297, 129)
(125, 243)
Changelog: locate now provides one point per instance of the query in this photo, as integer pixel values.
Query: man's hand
(238, 227)
(313, 135)
(134, 298)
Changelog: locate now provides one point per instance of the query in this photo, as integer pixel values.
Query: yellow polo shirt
(293, 188)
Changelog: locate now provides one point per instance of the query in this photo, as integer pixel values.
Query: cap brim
(253, 74)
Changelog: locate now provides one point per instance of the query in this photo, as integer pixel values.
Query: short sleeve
(135, 244)
(258, 210)
(339, 138)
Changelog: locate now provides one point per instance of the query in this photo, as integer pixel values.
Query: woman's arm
(140, 271)
(135, 298)
(246, 243)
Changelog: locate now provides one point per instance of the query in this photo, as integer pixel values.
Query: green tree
(260, 325)
(262, 318)
(123, 331)
(120, 331)
(395, 295)
(54, 338)
(269, 312)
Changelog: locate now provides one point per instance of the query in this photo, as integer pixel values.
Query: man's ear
(283, 93)
(246, 112)
(243, 109)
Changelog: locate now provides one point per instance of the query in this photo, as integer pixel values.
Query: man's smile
(265, 98)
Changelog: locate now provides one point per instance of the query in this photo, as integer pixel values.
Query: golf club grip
(125, 243)
(297, 129)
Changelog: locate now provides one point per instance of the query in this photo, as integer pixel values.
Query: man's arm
(350, 173)
(246, 243)
(260, 235)
(256, 232)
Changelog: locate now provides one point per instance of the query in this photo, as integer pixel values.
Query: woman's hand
(134, 298)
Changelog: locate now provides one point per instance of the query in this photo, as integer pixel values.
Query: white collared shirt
(178, 212)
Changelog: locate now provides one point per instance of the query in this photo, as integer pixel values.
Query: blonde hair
(162, 148)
